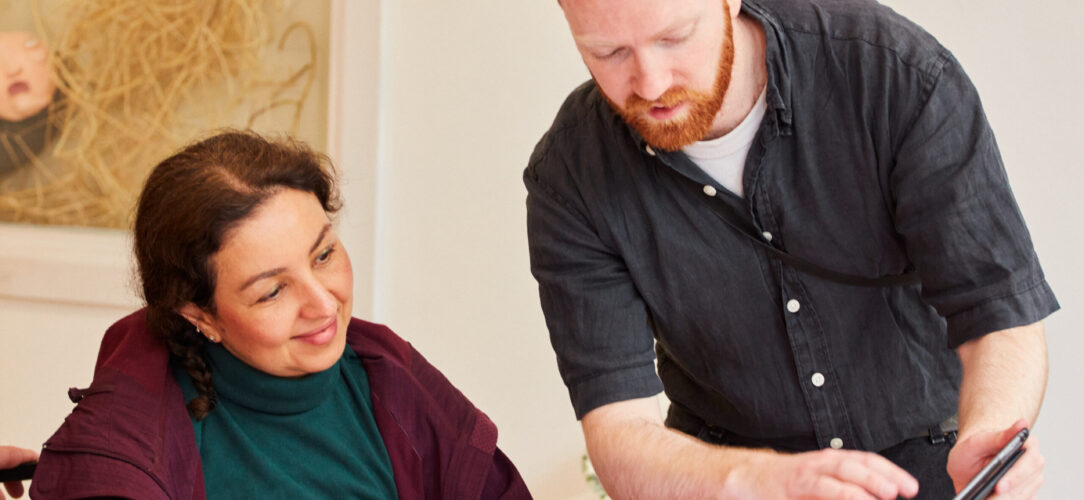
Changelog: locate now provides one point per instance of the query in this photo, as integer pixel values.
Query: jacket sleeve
(441, 446)
(475, 468)
(69, 475)
(503, 480)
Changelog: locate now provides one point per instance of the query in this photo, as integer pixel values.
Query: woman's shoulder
(131, 415)
(373, 340)
(129, 345)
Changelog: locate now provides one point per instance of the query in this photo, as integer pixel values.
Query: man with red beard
(799, 209)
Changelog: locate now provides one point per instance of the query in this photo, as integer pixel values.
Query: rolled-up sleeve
(598, 323)
(959, 219)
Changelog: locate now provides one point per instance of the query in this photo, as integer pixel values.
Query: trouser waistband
(685, 421)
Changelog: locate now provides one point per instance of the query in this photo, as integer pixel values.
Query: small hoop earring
(209, 337)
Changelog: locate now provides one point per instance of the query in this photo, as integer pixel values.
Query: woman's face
(25, 84)
(284, 289)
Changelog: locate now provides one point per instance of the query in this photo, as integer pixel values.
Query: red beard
(676, 133)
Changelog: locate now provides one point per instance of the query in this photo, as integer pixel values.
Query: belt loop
(937, 436)
(944, 431)
(711, 434)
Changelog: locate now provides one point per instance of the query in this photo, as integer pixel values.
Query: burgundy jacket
(130, 435)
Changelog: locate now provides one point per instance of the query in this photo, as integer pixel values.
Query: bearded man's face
(663, 66)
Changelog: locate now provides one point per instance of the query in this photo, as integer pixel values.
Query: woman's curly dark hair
(189, 204)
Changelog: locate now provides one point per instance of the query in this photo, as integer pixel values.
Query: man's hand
(1003, 381)
(827, 474)
(971, 454)
(636, 456)
(11, 456)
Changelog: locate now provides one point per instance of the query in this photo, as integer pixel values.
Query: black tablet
(983, 482)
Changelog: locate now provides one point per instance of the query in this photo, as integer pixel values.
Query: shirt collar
(778, 62)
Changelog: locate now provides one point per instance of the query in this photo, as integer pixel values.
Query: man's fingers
(830, 487)
(875, 474)
(986, 444)
(1026, 491)
(1030, 489)
(1029, 465)
(906, 485)
(1016, 427)
(869, 480)
(1026, 473)
(990, 442)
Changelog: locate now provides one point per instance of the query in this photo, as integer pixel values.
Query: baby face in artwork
(26, 86)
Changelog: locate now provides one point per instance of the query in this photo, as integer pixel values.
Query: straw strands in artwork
(137, 79)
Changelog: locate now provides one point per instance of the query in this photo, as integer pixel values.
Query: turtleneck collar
(251, 388)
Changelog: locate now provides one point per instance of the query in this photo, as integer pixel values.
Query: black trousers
(926, 460)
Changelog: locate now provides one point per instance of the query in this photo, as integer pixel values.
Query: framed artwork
(98, 91)
(95, 92)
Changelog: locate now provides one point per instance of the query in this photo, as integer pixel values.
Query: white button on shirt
(817, 379)
(767, 236)
(710, 190)
(649, 150)
(793, 305)
(836, 443)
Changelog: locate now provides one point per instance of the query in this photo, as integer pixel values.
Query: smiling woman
(284, 287)
(248, 324)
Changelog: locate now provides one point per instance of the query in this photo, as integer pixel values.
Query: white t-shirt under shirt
(724, 158)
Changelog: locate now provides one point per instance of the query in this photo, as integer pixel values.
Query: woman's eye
(273, 293)
(325, 255)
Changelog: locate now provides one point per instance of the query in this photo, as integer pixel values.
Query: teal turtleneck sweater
(272, 437)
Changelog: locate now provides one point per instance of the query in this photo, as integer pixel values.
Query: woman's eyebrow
(277, 270)
(320, 238)
(258, 277)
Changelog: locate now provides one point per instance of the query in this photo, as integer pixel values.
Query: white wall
(1027, 61)
(441, 105)
(467, 90)
(59, 289)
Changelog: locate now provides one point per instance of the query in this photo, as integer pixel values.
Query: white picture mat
(69, 265)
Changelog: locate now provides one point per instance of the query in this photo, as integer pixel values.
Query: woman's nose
(319, 301)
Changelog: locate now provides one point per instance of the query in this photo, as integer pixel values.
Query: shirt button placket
(817, 379)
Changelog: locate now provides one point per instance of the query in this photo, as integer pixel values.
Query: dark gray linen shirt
(874, 158)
